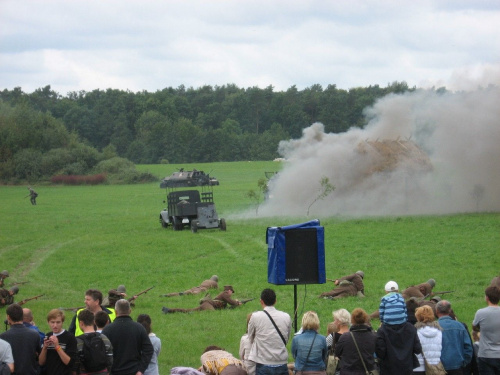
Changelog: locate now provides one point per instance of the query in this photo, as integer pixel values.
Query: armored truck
(193, 208)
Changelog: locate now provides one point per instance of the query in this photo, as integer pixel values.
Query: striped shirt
(393, 309)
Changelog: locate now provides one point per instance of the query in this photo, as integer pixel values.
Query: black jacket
(132, 348)
(347, 352)
(395, 348)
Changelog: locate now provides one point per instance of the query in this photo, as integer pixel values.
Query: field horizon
(81, 237)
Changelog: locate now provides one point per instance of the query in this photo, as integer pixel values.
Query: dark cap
(228, 287)
(5, 273)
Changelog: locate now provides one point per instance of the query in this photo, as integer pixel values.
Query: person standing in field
(456, 351)
(101, 354)
(93, 302)
(32, 194)
(268, 332)
(132, 348)
(487, 321)
(6, 357)
(59, 346)
(24, 342)
(145, 320)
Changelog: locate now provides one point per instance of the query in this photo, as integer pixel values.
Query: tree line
(43, 132)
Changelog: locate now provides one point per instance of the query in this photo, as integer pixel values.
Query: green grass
(82, 237)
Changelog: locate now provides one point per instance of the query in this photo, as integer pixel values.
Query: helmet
(4, 273)
(431, 282)
(14, 289)
(121, 289)
(361, 273)
(214, 278)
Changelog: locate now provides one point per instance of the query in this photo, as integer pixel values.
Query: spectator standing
(269, 331)
(342, 318)
(102, 354)
(101, 320)
(59, 346)
(430, 336)
(487, 321)
(93, 302)
(145, 320)
(309, 348)
(356, 348)
(244, 352)
(29, 322)
(456, 346)
(397, 340)
(132, 348)
(24, 342)
(6, 357)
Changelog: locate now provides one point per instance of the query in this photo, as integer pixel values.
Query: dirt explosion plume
(425, 152)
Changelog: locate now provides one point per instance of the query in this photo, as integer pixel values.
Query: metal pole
(295, 306)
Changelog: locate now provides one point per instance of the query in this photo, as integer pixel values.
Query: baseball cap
(391, 286)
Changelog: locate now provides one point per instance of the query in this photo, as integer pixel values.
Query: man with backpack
(95, 352)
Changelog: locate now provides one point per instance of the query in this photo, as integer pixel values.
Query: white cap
(391, 286)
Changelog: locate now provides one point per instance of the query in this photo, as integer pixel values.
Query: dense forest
(44, 133)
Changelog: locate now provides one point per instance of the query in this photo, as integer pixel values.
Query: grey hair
(122, 307)
(343, 316)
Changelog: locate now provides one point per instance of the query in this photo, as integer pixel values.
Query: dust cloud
(458, 132)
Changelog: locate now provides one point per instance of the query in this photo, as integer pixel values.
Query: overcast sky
(148, 45)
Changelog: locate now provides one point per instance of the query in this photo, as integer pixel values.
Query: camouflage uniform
(6, 298)
(33, 195)
(349, 285)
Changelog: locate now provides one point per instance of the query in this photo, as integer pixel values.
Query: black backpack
(93, 356)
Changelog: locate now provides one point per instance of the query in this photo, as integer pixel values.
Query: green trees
(210, 123)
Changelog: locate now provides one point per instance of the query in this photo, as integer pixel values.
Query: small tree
(256, 196)
(325, 189)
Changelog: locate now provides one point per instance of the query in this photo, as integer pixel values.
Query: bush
(114, 165)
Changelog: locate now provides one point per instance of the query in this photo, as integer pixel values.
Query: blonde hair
(54, 314)
(310, 320)
(343, 316)
(424, 314)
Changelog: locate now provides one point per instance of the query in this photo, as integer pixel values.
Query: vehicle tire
(163, 223)
(194, 226)
(222, 224)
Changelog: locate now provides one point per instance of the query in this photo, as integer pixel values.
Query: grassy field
(82, 237)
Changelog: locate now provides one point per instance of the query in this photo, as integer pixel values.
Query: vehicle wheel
(177, 223)
(163, 223)
(222, 224)
(194, 226)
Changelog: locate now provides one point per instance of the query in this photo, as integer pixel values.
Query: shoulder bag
(433, 369)
(372, 372)
(333, 361)
(275, 326)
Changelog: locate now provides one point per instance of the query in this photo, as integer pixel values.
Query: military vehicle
(192, 208)
(192, 178)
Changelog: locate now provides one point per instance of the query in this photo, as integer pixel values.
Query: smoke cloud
(455, 168)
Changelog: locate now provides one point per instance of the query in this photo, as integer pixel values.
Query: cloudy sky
(148, 45)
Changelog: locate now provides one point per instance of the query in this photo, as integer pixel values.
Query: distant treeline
(71, 134)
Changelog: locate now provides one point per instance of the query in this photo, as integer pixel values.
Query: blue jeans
(261, 369)
(488, 366)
